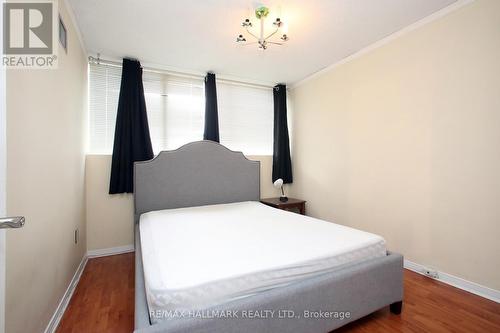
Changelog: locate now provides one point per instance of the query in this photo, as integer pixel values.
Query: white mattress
(198, 257)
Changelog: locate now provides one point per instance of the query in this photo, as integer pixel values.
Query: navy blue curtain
(211, 131)
(132, 141)
(282, 163)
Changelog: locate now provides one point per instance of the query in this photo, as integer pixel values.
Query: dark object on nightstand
(290, 204)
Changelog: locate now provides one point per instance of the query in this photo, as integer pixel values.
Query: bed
(211, 258)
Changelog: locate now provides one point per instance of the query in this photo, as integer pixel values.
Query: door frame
(3, 174)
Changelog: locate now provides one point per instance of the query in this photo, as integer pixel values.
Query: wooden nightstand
(291, 204)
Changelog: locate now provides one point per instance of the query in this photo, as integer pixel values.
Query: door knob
(12, 222)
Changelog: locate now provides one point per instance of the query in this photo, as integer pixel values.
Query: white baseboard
(457, 282)
(110, 251)
(63, 304)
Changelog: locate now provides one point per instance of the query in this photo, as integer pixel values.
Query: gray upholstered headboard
(199, 173)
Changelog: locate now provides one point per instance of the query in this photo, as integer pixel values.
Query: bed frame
(206, 173)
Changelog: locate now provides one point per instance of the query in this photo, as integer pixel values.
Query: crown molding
(72, 17)
(420, 23)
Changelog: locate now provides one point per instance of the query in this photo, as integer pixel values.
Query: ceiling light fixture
(261, 13)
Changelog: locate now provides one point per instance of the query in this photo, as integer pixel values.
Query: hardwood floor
(104, 298)
(104, 302)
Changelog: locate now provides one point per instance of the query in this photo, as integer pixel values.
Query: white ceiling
(199, 35)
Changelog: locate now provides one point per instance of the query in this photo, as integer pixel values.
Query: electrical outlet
(431, 273)
(76, 236)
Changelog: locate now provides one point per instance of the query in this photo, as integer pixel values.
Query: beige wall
(110, 217)
(404, 142)
(45, 183)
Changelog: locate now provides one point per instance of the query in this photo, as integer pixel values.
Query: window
(104, 89)
(176, 106)
(246, 118)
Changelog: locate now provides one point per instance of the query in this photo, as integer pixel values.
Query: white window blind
(245, 118)
(104, 90)
(175, 107)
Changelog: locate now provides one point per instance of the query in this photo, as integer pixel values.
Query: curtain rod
(99, 61)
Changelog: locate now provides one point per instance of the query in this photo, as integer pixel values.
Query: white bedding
(198, 257)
